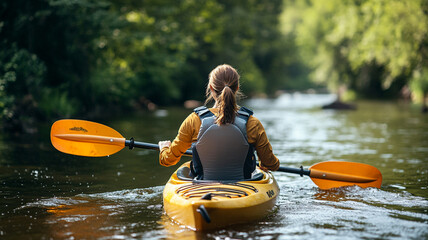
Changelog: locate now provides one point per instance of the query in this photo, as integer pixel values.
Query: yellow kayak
(203, 204)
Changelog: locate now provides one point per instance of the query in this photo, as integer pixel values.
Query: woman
(224, 137)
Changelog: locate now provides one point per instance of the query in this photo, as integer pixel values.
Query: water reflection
(81, 220)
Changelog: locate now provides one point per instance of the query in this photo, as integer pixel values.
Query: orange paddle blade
(84, 138)
(334, 174)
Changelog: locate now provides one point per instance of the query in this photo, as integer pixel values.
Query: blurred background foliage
(374, 47)
(88, 58)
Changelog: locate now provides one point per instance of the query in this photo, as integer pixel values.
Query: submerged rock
(339, 105)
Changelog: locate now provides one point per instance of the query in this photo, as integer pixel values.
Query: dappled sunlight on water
(49, 195)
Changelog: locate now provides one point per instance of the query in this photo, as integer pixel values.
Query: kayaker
(223, 148)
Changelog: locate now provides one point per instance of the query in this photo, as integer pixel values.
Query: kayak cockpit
(185, 174)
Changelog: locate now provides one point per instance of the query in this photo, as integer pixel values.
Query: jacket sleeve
(257, 136)
(187, 134)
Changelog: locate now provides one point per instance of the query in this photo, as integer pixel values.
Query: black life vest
(223, 152)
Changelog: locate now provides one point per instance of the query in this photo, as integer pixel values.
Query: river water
(46, 194)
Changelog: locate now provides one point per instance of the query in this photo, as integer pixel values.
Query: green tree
(89, 56)
(21, 78)
(370, 45)
(47, 55)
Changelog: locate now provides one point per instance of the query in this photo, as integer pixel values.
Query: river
(46, 194)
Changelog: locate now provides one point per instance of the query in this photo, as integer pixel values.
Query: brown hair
(224, 82)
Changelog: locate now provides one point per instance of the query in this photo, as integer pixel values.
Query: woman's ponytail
(227, 106)
(223, 86)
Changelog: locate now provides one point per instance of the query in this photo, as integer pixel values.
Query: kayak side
(202, 205)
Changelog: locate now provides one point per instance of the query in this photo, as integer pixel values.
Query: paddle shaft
(85, 138)
(311, 173)
(321, 175)
(314, 173)
(299, 171)
(131, 144)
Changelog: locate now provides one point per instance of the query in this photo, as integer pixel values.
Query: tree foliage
(62, 58)
(370, 45)
(93, 56)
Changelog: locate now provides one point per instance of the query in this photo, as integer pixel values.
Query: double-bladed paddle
(85, 138)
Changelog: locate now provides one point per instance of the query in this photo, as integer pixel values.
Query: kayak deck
(202, 205)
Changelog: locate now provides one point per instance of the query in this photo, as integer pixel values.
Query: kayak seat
(185, 175)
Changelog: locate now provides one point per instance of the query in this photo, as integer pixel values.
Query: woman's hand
(163, 144)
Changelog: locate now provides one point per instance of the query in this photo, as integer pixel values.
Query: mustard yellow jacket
(188, 133)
